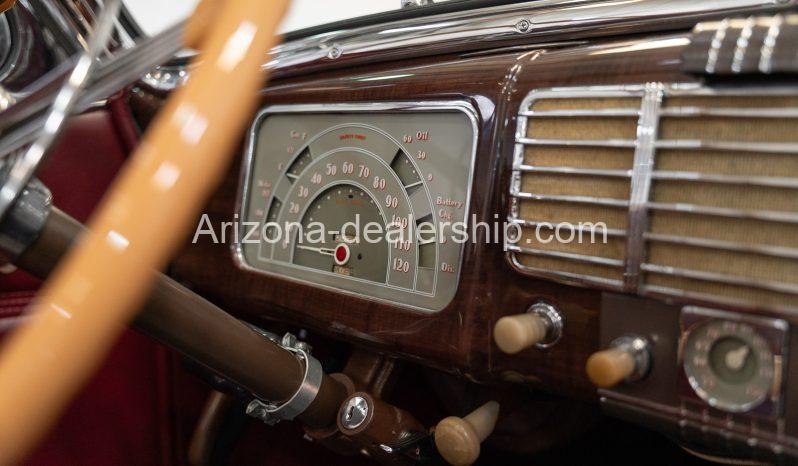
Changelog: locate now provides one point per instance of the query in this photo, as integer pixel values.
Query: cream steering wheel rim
(99, 286)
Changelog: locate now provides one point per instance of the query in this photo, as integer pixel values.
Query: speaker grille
(698, 189)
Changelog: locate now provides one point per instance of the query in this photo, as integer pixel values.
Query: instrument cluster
(366, 199)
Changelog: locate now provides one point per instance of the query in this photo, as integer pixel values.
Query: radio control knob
(541, 326)
(458, 439)
(628, 359)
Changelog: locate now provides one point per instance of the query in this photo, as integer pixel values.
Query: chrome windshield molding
(496, 26)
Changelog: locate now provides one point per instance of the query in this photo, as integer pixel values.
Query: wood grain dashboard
(457, 339)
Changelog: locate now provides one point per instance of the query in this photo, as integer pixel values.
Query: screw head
(523, 25)
(335, 52)
(354, 413)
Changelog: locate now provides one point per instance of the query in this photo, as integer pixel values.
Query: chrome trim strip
(768, 285)
(577, 228)
(647, 129)
(769, 44)
(767, 181)
(498, 26)
(730, 112)
(695, 144)
(766, 250)
(627, 143)
(664, 292)
(717, 43)
(603, 201)
(574, 171)
(566, 277)
(767, 215)
(603, 112)
(742, 44)
(596, 260)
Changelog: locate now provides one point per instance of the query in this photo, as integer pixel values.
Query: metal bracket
(270, 412)
(24, 222)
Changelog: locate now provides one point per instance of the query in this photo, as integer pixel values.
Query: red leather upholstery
(121, 417)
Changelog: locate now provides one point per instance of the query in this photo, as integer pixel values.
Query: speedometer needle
(325, 251)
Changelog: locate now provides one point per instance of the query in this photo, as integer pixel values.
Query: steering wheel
(144, 217)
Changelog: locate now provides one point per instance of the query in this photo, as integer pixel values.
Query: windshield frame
(399, 14)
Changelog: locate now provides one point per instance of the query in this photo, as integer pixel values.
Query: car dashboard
(687, 176)
(591, 200)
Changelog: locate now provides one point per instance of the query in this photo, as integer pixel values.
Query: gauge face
(729, 365)
(361, 199)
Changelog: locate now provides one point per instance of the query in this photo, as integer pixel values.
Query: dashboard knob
(458, 439)
(541, 326)
(628, 359)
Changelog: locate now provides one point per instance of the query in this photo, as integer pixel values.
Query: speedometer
(367, 199)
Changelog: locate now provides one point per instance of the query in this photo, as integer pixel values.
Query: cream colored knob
(541, 325)
(610, 367)
(514, 334)
(458, 439)
(627, 360)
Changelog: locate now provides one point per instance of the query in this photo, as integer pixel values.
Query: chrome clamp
(271, 413)
(23, 223)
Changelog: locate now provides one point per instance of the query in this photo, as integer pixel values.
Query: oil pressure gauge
(733, 362)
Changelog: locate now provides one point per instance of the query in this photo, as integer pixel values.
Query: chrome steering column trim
(491, 27)
(24, 222)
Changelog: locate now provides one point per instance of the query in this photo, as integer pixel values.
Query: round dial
(729, 365)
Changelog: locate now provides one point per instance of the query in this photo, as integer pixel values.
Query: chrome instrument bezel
(246, 173)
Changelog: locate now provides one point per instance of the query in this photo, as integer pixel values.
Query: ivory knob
(628, 359)
(458, 439)
(514, 334)
(610, 367)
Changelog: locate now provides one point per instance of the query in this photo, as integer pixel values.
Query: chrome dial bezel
(770, 332)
